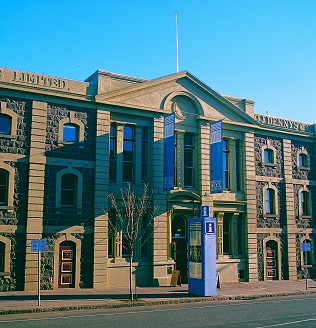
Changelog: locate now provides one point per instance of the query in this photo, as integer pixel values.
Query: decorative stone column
(35, 204)
(160, 235)
(290, 212)
(203, 166)
(101, 200)
(219, 220)
(250, 193)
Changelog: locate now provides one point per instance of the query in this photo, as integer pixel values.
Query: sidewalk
(74, 299)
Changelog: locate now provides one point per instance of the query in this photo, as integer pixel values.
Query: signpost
(202, 254)
(39, 246)
(306, 247)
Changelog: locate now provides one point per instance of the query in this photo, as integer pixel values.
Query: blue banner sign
(216, 157)
(169, 155)
(39, 245)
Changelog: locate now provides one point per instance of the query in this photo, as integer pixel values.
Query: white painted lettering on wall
(280, 122)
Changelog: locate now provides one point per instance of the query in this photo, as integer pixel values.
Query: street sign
(210, 227)
(306, 247)
(205, 211)
(39, 245)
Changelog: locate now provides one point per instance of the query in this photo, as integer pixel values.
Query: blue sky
(255, 49)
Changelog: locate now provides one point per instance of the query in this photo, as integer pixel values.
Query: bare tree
(134, 219)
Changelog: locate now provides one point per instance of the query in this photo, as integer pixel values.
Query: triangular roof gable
(135, 96)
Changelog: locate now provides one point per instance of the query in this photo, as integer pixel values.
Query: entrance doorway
(180, 246)
(67, 260)
(272, 260)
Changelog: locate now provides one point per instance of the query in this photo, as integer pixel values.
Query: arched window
(178, 227)
(70, 129)
(5, 124)
(4, 187)
(270, 201)
(70, 132)
(68, 190)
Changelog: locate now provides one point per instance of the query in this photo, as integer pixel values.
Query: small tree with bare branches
(134, 217)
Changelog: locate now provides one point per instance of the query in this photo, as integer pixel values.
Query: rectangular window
(238, 165)
(305, 202)
(5, 124)
(303, 160)
(188, 160)
(70, 132)
(68, 190)
(268, 156)
(226, 234)
(128, 154)
(225, 164)
(4, 185)
(112, 175)
(144, 154)
(270, 201)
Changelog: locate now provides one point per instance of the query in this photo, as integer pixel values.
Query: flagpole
(177, 44)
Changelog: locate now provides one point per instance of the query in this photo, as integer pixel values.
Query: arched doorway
(272, 260)
(180, 246)
(67, 267)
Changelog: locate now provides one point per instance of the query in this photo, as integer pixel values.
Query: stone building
(65, 145)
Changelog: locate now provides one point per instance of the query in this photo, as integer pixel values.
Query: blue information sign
(210, 227)
(202, 256)
(39, 245)
(306, 247)
(205, 211)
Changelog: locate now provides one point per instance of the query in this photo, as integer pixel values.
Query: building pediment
(182, 93)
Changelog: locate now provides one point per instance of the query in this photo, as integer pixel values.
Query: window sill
(69, 210)
(8, 136)
(304, 168)
(270, 164)
(5, 274)
(7, 208)
(269, 216)
(306, 217)
(60, 142)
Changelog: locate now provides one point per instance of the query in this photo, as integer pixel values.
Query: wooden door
(271, 261)
(67, 268)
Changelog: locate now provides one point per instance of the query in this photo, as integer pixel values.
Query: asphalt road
(298, 312)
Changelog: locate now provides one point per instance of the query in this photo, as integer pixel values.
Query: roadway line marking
(288, 323)
(137, 311)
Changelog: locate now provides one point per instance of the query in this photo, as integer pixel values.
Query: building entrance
(272, 260)
(66, 265)
(180, 246)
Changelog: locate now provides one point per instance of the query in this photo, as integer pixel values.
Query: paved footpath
(75, 299)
